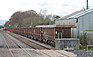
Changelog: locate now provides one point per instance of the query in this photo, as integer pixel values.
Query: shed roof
(65, 17)
(80, 14)
(76, 14)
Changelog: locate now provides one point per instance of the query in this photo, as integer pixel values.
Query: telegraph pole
(86, 4)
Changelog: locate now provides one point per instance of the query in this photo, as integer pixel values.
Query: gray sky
(58, 7)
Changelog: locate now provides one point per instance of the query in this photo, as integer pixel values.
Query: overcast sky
(58, 7)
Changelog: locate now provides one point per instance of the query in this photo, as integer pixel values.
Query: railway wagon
(37, 34)
(44, 34)
(51, 33)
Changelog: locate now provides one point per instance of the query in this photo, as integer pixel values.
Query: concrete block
(67, 43)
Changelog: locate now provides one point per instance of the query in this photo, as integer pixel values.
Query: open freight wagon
(44, 34)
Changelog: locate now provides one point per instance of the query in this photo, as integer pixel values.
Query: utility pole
(86, 4)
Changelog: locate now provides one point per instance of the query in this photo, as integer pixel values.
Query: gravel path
(83, 53)
(2, 42)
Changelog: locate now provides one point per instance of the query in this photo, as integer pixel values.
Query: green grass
(89, 30)
(85, 49)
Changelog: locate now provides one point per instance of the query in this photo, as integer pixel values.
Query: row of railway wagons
(44, 34)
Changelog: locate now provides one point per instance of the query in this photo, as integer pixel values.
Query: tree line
(28, 19)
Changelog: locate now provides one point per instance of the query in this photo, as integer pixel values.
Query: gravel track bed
(2, 41)
(4, 52)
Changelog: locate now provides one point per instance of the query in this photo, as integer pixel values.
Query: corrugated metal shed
(83, 20)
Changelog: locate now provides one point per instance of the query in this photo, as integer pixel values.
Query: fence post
(58, 35)
(61, 35)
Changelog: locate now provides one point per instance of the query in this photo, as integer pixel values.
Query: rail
(8, 46)
(17, 45)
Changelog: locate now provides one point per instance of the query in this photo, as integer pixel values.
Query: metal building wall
(85, 22)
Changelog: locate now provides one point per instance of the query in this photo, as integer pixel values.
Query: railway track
(17, 45)
(15, 48)
(8, 46)
(29, 43)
